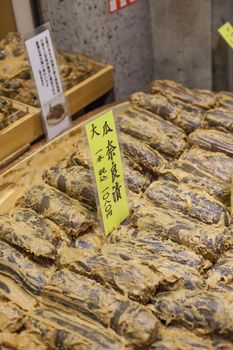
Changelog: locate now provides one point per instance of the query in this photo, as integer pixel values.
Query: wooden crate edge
(84, 93)
(29, 127)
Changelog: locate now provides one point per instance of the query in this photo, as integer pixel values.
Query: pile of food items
(15, 73)
(8, 114)
(162, 281)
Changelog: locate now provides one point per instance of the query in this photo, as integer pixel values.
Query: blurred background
(151, 39)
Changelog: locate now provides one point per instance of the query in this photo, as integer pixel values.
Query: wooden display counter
(19, 135)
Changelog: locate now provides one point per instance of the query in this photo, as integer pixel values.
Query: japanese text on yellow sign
(107, 164)
(226, 32)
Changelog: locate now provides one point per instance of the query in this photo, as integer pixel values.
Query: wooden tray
(90, 89)
(22, 132)
(24, 174)
(27, 129)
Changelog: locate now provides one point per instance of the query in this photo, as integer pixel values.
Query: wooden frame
(90, 89)
(22, 132)
(27, 129)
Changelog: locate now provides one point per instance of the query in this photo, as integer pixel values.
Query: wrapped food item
(189, 120)
(185, 172)
(203, 311)
(177, 338)
(160, 134)
(214, 163)
(138, 155)
(225, 100)
(127, 318)
(11, 317)
(213, 140)
(64, 331)
(167, 108)
(143, 155)
(93, 239)
(170, 274)
(135, 180)
(80, 156)
(149, 243)
(220, 343)
(200, 98)
(44, 227)
(158, 104)
(189, 201)
(75, 181)
(12, 44)
(11, 290)
(133, 280)
(203, 239)
(15, 88)
(29, 275)
(220, 119)
(76, 68)
(21, 341)
(66, 212)
(222, 270)
(23, 236)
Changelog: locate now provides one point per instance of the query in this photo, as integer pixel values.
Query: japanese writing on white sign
(48, 82)
(106, 159)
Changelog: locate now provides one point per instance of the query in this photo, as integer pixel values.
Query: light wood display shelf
(17, 137)
(22, 132)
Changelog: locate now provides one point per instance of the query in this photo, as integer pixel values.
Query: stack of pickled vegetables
(162, 281)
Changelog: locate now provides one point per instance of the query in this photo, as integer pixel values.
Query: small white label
(123, 3)
(113, 5)
(48, 82)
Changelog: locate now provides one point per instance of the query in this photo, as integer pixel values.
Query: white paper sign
(123, 3)
(113, 5)
(48, 82)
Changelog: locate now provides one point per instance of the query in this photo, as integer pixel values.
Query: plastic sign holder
(108, 170)
(45, 70)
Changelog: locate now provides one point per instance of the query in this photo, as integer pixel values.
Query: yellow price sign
(106, 159)
(226, 32)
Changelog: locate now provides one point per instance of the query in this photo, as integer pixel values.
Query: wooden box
(90, 89)
(27, 129)
(20, 133)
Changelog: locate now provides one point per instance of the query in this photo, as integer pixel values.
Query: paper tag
(47, 78)
(106, 158)
(226, 32)
(116, 5)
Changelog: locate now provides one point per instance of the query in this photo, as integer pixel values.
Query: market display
(16, 82)
(8, 114)
(163, 280)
